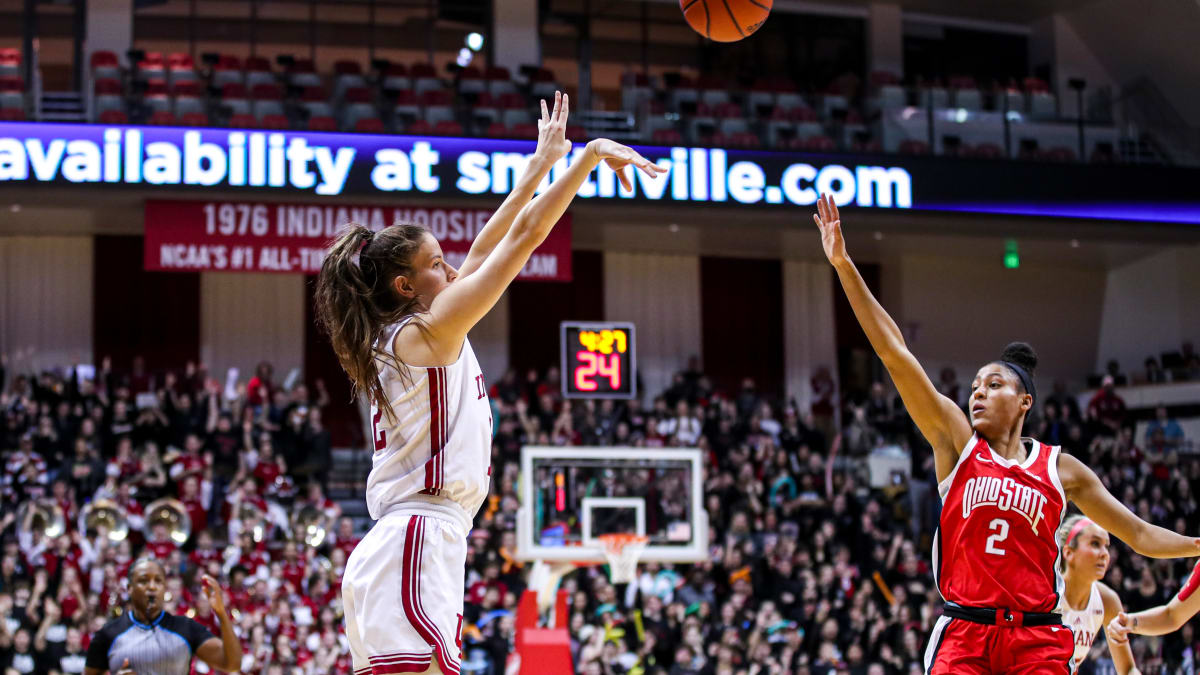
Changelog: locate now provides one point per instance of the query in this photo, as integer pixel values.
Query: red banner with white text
(236, 236)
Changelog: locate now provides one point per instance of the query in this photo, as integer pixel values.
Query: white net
(622, 552)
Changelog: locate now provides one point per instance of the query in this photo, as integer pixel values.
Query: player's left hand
(618, 157)
(216, 597)
(552, 129)
(1118, 629)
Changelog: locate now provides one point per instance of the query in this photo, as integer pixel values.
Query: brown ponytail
(355, 300)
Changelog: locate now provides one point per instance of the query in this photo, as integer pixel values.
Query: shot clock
(598, 360)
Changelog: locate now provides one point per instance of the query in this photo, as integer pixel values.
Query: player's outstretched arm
(1159, 620)
(552, 145)
(1083, 487)
(940, 420)
(456, 310)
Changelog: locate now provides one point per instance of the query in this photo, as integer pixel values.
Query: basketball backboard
(570, 496)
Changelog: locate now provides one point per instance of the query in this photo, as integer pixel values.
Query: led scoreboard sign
(598, 360)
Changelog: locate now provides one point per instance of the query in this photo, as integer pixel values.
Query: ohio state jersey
(1085, 623)
(995, 545)
(436, 453)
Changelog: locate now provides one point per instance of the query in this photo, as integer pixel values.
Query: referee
(147, 641)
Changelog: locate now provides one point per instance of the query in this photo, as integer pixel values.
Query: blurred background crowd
(816, 567)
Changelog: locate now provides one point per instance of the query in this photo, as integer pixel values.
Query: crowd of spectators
(812, 569)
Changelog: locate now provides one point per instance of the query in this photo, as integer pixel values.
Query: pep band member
(995, 553)
(146, 640)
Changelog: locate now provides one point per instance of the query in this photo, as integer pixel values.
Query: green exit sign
(1012, 260)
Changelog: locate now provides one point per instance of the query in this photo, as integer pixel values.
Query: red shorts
(957, 646)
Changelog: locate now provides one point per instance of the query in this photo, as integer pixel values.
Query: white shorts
(403, 595)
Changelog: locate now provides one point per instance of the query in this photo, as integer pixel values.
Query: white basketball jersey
(437, 451)
(1085, 623)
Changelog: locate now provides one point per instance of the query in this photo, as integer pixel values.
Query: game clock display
(598, 360)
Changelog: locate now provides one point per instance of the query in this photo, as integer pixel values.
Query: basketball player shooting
(398, 315)
(1004, 496)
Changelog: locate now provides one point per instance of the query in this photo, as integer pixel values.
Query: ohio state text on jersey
(436, 454)
(995, 545)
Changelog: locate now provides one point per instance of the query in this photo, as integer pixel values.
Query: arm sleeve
(193, 632)
(97, 652)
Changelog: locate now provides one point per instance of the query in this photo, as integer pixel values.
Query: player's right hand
(619, 156)
(125, 669)
(1118, 629)
(830, 223)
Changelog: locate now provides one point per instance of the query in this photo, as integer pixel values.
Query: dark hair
(1025, 360)
(146, 561)
(1021, 354)
(355, 300)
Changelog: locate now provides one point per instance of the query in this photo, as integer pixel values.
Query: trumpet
(253, 519)
(107, 514)
(169, 512)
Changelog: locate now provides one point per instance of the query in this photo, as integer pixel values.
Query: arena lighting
(475, 41)
(464, 57)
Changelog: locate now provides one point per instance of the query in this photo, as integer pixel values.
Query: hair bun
(1021, 354)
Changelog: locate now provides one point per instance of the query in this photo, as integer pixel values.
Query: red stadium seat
(194, 120)
(419, 128)
(103, 59)
(322, 123)
(447, 128)
(275, 122)
(233, 90)
(422, 70)
(347, 68)
(113, 117)
(12, 83)
(357, 95)
(370, 125)
(187, 88)
(667, 137)
(267, 92)
(497, 130)
(526, 131)
(258, 64)
(163, 118)
(12, 114)
(243, 122)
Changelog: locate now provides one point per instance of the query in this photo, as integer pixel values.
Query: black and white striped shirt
(162, 647)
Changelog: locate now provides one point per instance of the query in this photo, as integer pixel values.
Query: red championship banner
(236, 236)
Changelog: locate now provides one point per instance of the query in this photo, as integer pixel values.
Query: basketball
(725, 20)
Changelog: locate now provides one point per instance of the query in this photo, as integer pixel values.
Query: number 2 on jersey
(1001, 525)
(380, 436)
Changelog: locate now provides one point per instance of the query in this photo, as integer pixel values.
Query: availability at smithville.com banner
(234, 236)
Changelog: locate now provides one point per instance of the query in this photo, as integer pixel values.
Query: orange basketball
(725, 20)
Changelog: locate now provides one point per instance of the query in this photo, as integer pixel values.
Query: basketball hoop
(622, 551)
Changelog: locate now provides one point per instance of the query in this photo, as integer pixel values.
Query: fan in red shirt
(1004, 496)
(160, 545)
(345, 539)
(193, 503)
(294, 567)
(249, 554)
(258, 390)
(205, 552)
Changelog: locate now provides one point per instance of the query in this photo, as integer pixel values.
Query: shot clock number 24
(598, 360)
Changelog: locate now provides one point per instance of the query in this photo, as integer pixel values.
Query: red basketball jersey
(995, 546)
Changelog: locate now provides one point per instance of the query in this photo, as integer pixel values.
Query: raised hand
(619, 156)
(552, 129)
(830, 223)
(1118, 629)
(216, 597)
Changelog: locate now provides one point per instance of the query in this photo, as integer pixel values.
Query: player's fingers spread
(566, 107)
(817, 220)
(625, 182)
(545, 111)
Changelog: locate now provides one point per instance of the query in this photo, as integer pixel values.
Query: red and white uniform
(403, 586)
(1085, 623)
(995, 549)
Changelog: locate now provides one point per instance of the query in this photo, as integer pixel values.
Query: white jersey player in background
(398, 315)
(1087, 603)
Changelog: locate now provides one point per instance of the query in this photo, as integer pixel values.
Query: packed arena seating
(813, 571)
